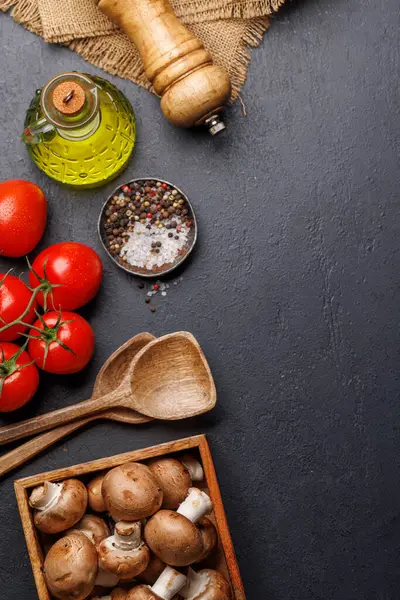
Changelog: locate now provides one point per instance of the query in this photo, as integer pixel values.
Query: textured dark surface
(293, 292)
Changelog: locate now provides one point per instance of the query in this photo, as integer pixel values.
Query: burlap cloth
(228, 28)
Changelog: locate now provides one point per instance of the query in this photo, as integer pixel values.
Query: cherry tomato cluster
(62, 278)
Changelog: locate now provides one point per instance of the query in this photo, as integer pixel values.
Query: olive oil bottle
(80, 130)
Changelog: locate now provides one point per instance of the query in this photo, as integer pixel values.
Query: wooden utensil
(168, 379)
(193, 90)
(112, 371)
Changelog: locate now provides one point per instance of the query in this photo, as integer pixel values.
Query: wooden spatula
(168, 379)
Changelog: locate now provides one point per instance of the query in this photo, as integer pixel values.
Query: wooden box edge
(199, 441)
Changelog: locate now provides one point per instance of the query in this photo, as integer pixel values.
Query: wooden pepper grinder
(193, 90)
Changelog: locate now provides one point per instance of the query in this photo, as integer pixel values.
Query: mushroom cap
(217, 589)
(119, 594)
(131, 492)
(66, 511)
(209, 536)
(141, 592)
(70, 567)
(173, 538)
(125, 566)
(95, 528)
(153, 570)
(174, 480)
(125, 563)
(105, 580)
(95, 497)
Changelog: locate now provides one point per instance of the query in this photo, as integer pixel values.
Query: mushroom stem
(194, 467)
(106, 579)
(45, 496)
(127, 535)
(196, 505)
(168, 584)
(196, 584)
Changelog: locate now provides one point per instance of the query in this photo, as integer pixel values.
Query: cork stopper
(69, 98)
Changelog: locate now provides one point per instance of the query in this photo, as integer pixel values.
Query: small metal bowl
(155, 271)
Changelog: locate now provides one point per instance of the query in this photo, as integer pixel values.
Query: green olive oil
(86, 149)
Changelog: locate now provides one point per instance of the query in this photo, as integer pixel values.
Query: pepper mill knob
(193, 89)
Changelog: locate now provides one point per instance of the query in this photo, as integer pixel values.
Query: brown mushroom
(209, 536)
(167, 585)
(105, 579)
(70, 567)
(131, 492)
(95, 497)
(119, 594)
(206, 585)
(116, 594)
(173, 536)
(174, 478)
(58, 506)
(95, 528)
(152, 571)
(124, 554)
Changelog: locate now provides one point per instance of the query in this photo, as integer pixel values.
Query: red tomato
(17, 386)
(75, 267)
(59, 332)
(14, 298)
(23, 214)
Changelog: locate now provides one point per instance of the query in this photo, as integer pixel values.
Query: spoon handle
(18, 456)
(16, 431)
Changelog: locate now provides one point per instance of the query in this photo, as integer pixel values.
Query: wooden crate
(224, 559)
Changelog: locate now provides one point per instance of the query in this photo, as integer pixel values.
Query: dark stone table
(293, 292)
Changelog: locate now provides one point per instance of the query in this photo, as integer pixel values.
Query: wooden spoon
(168, 379)
(113, 369)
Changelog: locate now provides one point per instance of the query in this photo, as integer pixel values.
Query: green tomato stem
(19, 320)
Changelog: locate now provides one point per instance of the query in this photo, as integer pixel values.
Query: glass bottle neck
(81, 133)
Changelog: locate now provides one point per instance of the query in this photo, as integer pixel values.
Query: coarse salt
(139, 252)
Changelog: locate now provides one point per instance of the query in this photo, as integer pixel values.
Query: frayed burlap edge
(200, 11)
(252, 39)
(98, 52)
(25, 12)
